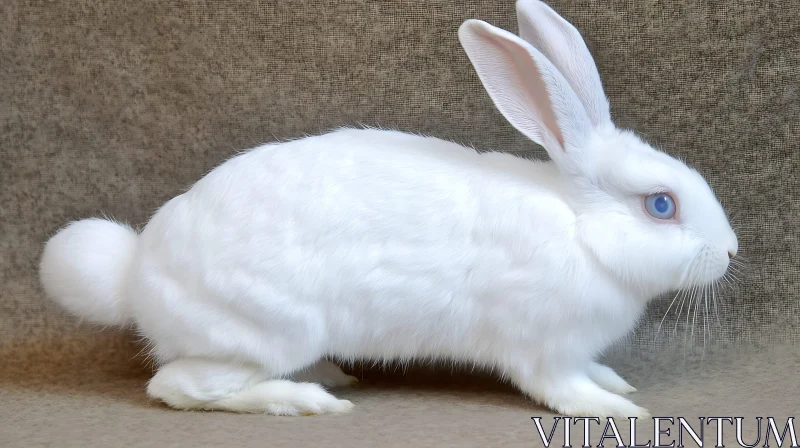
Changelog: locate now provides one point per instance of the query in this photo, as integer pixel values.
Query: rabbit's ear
(527, 89)
(562, 44)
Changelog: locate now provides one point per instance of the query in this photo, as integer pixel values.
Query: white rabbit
(371, 244)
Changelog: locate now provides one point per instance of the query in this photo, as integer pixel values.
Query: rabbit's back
(358, 240)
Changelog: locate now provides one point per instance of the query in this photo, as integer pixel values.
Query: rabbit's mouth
(711, 268)
(705, 282)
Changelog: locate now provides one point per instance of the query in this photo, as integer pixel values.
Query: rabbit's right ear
(561, 43)
(527, 89)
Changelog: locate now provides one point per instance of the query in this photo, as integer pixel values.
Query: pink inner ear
(532, 85)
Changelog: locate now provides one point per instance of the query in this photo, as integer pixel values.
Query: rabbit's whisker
(667, 312)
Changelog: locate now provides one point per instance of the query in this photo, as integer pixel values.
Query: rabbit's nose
(730, 255)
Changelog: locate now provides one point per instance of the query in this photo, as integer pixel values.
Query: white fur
(214, 385)
(370, 244)
(84, 266)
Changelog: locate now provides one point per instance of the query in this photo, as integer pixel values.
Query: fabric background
(116, 106)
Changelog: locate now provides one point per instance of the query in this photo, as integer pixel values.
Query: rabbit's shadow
(438, 381)
(110, 366)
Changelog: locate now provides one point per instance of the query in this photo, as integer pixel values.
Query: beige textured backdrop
(116, 106)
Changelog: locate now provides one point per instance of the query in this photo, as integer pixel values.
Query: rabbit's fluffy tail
(84, 268)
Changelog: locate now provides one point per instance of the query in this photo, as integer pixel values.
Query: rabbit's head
(644, 215)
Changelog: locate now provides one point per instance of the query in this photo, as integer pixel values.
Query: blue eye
(660, 206)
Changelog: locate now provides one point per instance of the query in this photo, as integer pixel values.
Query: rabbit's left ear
(562, 44)
(527, 89)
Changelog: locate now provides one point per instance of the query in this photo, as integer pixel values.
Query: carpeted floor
(113, 106)
(92, 394)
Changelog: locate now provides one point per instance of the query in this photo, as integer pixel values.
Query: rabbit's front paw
(600, 403)
(606, 378)
(577, 395)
